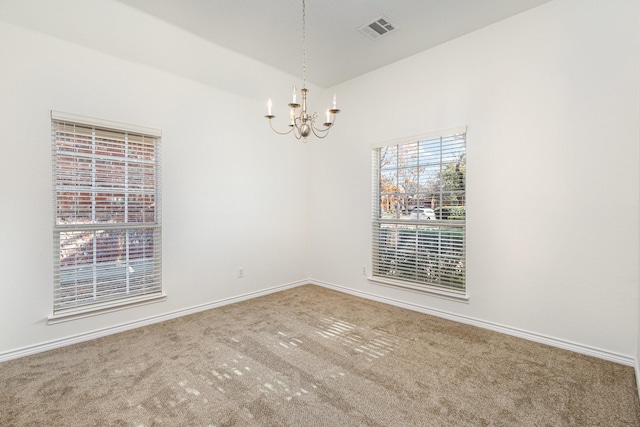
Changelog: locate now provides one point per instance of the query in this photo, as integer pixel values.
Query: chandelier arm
(296, 128)
(326, 128)
(279, 133)
(324, 133)
(323, 130)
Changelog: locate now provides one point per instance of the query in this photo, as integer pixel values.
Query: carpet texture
(310, 356)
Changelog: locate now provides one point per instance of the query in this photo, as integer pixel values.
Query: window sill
(440, 293)
(107, 307)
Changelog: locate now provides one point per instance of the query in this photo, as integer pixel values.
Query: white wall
(551, 99)
(637, 356)
(234, 193)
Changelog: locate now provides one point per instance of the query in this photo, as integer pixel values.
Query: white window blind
(107, 227)
(419, 212)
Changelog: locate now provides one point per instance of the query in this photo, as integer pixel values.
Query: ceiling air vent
(377, 28)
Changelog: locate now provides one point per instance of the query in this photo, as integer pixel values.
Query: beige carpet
(314, 357)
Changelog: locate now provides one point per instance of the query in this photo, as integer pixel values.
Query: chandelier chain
(304, 45)
(303, 124)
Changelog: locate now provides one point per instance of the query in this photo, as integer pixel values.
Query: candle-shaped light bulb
(334, 101)
(329, 116)
(294, 94)
(292, 115)
(269, 105)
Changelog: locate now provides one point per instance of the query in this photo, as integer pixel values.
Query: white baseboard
(87, 336)
(531, 336)
(637, 376)
(555, 342)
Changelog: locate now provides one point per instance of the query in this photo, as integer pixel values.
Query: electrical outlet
(364, 270)
(240, 273)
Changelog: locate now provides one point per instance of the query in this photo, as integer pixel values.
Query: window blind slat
(419, 211)
(107, 231)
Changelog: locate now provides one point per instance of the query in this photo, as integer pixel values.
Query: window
(107, 230)
(419, 211)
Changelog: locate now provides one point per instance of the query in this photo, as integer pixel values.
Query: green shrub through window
(419, 212)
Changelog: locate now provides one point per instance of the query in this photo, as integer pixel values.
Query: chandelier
(302, 124)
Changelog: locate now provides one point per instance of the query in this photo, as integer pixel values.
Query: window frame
(386, 266)
(131, 271)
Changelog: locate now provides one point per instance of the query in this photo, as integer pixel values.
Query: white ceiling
(271, 30)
